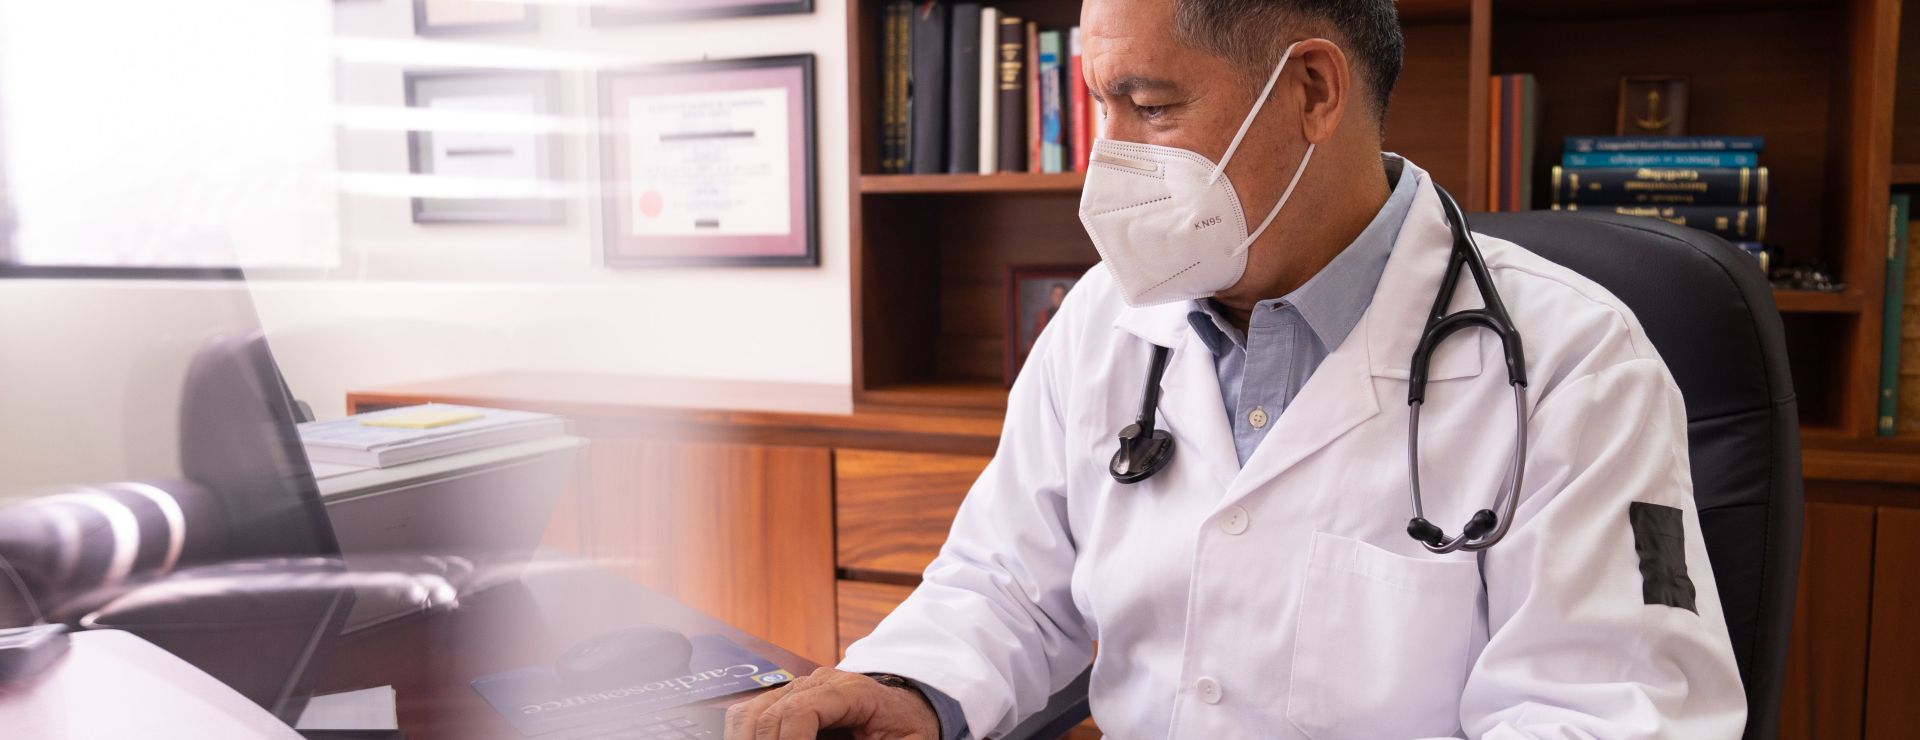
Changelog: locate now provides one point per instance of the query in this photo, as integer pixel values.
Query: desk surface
(431, 660)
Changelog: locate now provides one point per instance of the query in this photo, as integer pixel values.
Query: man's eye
(1150, 111)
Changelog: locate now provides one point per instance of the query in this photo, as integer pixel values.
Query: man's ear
(1325, 84)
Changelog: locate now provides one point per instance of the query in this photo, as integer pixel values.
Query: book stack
(1512, 133)
(1712, 183)
(971, 89)
(1899, 410)
(413, 433)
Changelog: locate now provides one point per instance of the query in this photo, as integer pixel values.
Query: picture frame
(633, 12)
(709, 163)
(466, 17)
(510, 160)
(1652, 106)
(1032, 295)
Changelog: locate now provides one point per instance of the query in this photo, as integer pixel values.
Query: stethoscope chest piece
(1140, 455)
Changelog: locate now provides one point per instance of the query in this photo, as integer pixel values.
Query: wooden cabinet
(894, 509)
(1827, 657)
(862, 605)
(1892, 681)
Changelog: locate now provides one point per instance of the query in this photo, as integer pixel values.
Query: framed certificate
(625, 12)
(709, 163)
(488, 145)
(454, 17)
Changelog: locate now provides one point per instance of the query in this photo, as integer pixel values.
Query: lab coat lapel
(1342, 392)
(1190, 405)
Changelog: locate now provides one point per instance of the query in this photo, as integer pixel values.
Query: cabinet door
(1893, 666)
(1825, 688)
(893, 509)
(863, 605)
(741, 532)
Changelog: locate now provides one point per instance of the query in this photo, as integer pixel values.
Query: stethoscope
(1145, 450)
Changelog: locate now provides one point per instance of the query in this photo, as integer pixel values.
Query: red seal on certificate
(648, 204)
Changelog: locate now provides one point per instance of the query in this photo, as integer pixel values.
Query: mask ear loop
(1255, 113)
(1297, 172)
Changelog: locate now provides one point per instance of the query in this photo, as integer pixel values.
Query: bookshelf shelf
(1810, 301)
(1906, 174)
(1004, 182)
(938, 394)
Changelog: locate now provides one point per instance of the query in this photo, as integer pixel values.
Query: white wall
(413, 302)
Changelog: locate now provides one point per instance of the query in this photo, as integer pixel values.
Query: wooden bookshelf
(1003, 182)
(1906, 174)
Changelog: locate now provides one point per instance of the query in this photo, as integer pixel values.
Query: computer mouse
(625, 657)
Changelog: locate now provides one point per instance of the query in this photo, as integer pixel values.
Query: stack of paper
(414, 433)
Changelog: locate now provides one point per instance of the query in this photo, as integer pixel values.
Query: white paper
(486, 154)
(366, 709)
(711, 164)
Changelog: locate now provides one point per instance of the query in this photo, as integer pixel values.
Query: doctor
(1264, 584)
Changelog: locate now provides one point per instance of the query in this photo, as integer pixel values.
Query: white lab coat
(1285, 599)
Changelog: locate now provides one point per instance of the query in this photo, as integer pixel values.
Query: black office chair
(1709, 311)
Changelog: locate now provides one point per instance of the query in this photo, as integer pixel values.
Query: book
(1032, 137)
(361, 441)
(1577, 160)
(1079, 102)
(537, 701)
(1743, 186)
(1496, 153)
(989, 92)
(1733, 223)
(1529, 137)
(927, 89)
(1899, 211)
(1050, 134)
(1011, 133)
(963, 89)
(893, 83)
(1585, 144)
(1512, 137)
(1907, 414)
(1509, 144)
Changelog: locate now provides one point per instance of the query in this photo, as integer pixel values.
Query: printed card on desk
(536, 701)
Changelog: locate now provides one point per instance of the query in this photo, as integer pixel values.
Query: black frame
(555, 211)
(609, 216)
(602, 15)
(530, 21)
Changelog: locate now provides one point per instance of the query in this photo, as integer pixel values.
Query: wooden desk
(431, 660)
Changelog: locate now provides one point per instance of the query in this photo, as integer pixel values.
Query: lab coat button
(1258, 417)
(1235, 521)
(1209, 690)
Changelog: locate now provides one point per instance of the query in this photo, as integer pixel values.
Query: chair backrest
(1709, 311)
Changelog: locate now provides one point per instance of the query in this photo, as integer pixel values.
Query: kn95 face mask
(1167, 221)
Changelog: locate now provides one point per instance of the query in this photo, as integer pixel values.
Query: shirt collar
(1333, 300)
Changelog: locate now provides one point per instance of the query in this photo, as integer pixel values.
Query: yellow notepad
(426, 417)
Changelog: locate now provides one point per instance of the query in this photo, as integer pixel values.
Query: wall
(412, 302)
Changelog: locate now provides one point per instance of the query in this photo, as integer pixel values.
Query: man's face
(1155, 90)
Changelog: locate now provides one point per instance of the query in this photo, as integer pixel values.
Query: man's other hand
(834, 699)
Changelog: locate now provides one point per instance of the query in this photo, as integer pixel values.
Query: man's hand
(830, 699)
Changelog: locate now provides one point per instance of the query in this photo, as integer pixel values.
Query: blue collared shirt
(1286, 339)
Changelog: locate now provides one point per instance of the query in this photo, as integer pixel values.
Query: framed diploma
(709, 163)
(454, 17)
(626, 12)
(487, 143)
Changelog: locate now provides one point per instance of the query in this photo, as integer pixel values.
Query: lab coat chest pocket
(1383, 642)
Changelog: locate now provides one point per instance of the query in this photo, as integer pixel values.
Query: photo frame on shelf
(1033, 294)
(631, 12)
(709, 163)
(1652, 106)
(491, 145)
(461, 17)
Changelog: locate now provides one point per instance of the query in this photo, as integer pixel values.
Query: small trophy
(1652, 106)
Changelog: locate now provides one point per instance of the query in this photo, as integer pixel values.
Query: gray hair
(1253, 33)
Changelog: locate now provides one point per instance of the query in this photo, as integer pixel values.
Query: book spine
(1515, 132)
(1732, 223)
(1012, 127)
(893, 83)
(1494, 151)
(1744, 186)
(928, 82)
(963, 91)
(1050, 101)
(1529, 137)
(989, 91)
(1577, 160)
(1032, 139)
(1586, 144)
(1080, 104)
(1897, 215)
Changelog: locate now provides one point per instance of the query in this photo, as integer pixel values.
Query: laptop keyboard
(685, 723)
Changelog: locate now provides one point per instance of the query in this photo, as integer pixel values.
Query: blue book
(1898, 212)
(1589, 160)
(1587, 144)
(537, 701)
(1052, 144)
